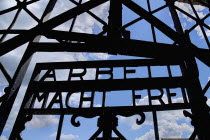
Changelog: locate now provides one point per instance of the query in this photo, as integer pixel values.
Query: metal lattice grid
(114, 36)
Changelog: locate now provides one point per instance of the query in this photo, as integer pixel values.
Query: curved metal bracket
(131, 113)
(88, 115)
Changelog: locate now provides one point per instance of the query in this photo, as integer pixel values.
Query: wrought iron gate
(114, 39)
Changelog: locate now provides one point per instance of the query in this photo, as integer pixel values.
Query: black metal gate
(114, 39)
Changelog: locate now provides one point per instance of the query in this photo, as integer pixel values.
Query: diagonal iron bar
(177, 37)
(7, 76)
(46, 26)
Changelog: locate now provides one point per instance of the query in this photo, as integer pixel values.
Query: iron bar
(177, 37)
(206, 88)
(88, 85)
(104, 64)
(166, 55)
(60, 127)
(20, 72)
(92, 14)
(46, 26)
(154, 114)
(194, 90)
(200, 22)
(116, 110)
(140, 18)
(5, 73)
(16, 7)
(114, 20)
(11, 25)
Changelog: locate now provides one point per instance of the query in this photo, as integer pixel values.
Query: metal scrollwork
(131, 113)
(141, 121)
(73, 121)
(22, 125)
(3, 97)
(107, 120)
(77, 123)
(188, 114)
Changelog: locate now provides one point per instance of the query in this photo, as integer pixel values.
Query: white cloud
(131, 121)
(65, 136)
(75, 100)
(7, 4)
(100, 56)
(3, 138)
(167, 130)
(40, 121)
(170, 116)
(167, 121)
(200, 33)
(11, 60)
(1, 93)
(208, 32)
(173, 129)
(184, 25)
(85, 23)
(148, 136)
(187, 8)
(208, 102)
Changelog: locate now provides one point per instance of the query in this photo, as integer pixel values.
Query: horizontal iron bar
(16, 7)
(116, 110)
(175, 36)
(19, 40)
(105, 64)
(108, 85)
(13, 31)
(121, 46)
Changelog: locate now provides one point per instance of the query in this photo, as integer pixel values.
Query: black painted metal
(199, 116)
(17, 79)
(182, 53)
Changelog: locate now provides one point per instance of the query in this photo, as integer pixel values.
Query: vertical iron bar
(92, 98)
(155, 121)
(154, 113)
(81, 99)
(103, 98)
(113, 32)
(115, 19)
(133, 97)
(60, 127)
(199, 107)
(107, 125)
(74, 19)
(167, 89)
(152, 27)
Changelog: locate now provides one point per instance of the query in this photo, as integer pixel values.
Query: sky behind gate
(171, 123)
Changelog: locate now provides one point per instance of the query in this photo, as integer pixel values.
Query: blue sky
(171, 123)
